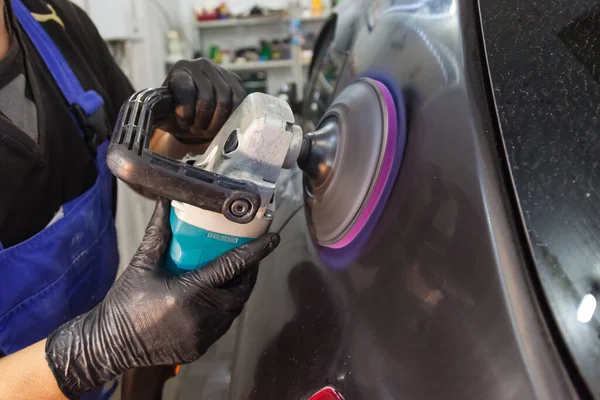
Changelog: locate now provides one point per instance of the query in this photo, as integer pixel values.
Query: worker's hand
(205, 96)
(151, 317)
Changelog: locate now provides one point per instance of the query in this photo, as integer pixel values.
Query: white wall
(144, 56)
(148, 56)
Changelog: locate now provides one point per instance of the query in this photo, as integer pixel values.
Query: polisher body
(255, 144)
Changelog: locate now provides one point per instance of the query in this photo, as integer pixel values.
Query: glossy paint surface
(547, 90)
(440, 304)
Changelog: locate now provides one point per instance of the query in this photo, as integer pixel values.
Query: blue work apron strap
(67, 268)
(106, 393)
(86, 106)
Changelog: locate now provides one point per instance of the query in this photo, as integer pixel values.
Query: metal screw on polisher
(239, 208)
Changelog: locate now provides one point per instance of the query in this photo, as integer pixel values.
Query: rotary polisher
(226, 196)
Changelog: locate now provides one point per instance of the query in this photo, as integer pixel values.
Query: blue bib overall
(67, 268)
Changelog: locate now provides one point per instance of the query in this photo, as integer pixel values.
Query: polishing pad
(355, 157)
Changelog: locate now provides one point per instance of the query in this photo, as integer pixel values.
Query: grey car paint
(442, 303)
(544, 65)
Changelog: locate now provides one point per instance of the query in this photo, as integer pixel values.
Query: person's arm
(26, 375)
(148, 318)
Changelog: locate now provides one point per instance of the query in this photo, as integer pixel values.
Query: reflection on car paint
(439, 303)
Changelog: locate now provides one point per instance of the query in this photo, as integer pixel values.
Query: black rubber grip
(131, 161)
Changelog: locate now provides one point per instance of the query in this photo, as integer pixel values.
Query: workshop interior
(432, 167)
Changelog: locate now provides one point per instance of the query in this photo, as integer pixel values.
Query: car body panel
(547, 92)
(442, 303)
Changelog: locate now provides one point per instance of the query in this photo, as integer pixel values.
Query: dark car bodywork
(470, 286)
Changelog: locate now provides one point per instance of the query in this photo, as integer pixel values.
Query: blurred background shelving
(250, 21)
(262, 48)
(267, 42)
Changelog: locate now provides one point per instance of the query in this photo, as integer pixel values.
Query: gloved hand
(151, 317)
(205, 96)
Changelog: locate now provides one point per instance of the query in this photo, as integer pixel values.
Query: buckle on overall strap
(89, 114)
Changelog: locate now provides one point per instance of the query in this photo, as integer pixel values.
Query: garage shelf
(260, 65)
(234, 22)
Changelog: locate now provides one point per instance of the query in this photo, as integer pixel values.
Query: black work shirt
(37, 178)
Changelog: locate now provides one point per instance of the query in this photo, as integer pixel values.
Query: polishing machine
(226, 196)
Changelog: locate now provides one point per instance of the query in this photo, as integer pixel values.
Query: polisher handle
(131, 161)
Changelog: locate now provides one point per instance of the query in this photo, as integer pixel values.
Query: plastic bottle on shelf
(296, 43)
(265, 51)
(215, 54)
(276, 50)
(296, 12)
(317, 8)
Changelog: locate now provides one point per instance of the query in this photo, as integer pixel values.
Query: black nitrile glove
(205, 96)
(151, 317)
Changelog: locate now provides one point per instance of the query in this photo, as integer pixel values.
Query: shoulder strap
(66, 80)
